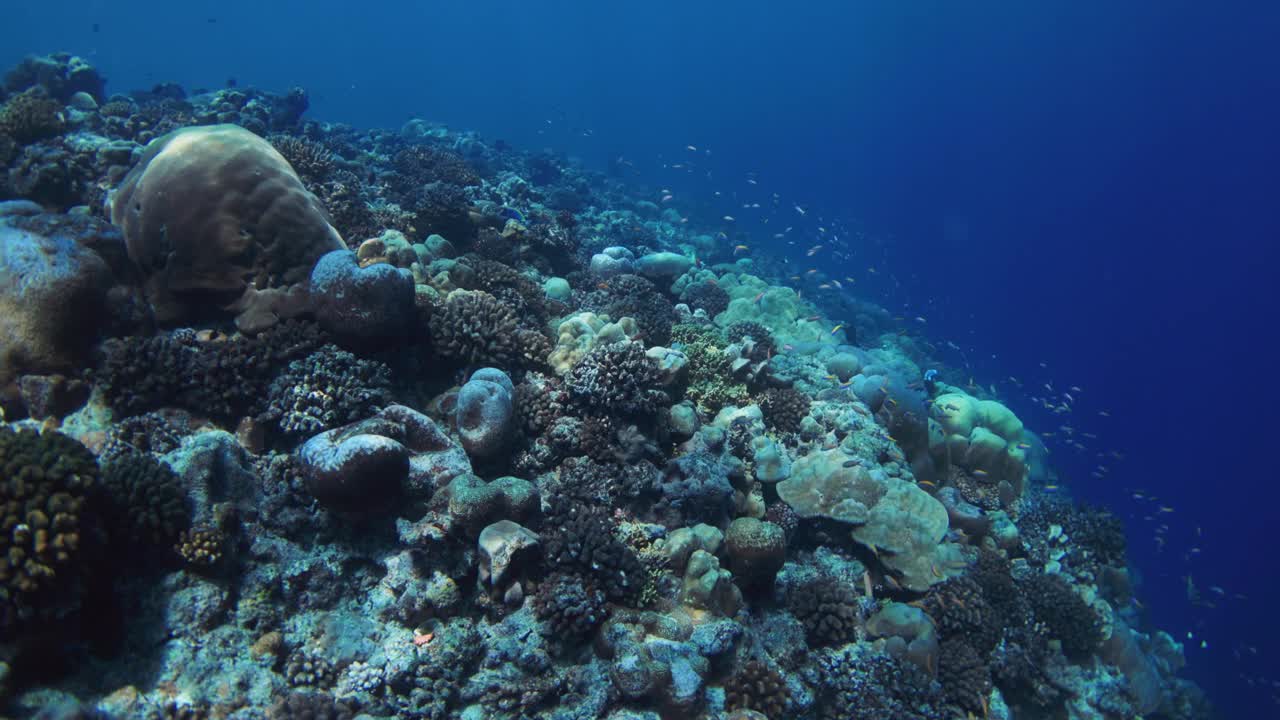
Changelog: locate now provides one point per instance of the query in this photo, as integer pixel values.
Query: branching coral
(1065, 614)
(580, 538)
(147, 505)
(153, 432)
(420, 165)
(1098, 532)
(437, 679)
(960, 611)
(857, 686)
(828, 608)
(201, 546)
(635, 297)
(761, 345)
(711, 384)
(616, 378)
(708, 296)
(964, 676)
(305, 669)
(30, 117)
(784, 408)
(992, 573)
(225, 378)
(310, 706)
(571, 606)
(311, 160)
(757, 687)
(473, 326)
(540, 400)
(524, 296)
(45, 482)
(606, 484)
(443, 209)
(326, 389)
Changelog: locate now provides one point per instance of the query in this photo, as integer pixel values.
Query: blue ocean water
(1054, 194)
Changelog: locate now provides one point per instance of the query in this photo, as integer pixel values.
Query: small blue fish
(513, 214)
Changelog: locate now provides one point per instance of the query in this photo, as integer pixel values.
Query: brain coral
(216, 219)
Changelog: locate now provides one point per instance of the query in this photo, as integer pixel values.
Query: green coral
(711, 383)
(45, 480)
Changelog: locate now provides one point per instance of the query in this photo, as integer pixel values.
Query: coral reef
(529, 443)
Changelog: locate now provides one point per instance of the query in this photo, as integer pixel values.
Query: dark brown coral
(472, 326)
(784, 408)
(828, 608)
(757, 687)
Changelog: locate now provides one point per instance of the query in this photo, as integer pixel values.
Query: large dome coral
(982, 437)
(217, 220)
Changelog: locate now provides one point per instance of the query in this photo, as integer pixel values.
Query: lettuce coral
(897, 520)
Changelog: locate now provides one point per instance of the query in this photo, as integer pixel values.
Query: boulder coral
(982, 437)
(218, 222)
(53, 291)
(361, 305)
(485, 413)
(368, 464)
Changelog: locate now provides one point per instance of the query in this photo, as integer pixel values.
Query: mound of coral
(310, 421)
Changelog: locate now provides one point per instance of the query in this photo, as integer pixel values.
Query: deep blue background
(1115, 167)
